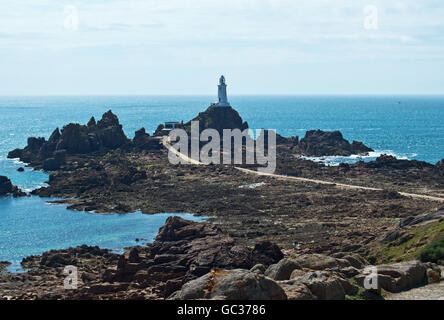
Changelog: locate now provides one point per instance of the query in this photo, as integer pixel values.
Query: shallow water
(31, 226)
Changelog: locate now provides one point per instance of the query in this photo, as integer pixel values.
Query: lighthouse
(222, 93)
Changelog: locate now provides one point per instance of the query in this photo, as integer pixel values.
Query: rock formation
(73, 139)
(319, 143)
(183, 251)
(218, 118)
(391, 162)
(6, 188)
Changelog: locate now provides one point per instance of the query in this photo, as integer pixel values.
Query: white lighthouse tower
(222, 93)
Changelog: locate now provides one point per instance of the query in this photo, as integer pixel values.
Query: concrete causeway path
(166, 144)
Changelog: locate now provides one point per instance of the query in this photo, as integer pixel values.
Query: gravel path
(430, 292)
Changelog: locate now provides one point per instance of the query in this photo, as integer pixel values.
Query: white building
(222, 94)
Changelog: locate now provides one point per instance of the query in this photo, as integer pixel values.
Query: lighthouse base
(221, 104)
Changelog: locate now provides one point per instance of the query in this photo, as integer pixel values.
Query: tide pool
(30, 226)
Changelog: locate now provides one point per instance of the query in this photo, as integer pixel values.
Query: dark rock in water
(6, 188)
(391, 162)
(329, 143)
(14, 154)
(219, 118)
(21, 169)
(73, 139)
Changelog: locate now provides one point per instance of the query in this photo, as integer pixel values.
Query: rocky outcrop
(143, 141)
(218, 118)
(183, 251)
(234, 284)
(390, 162)
(282, 270)
(329, 143)
(6, 188)
(73, 139)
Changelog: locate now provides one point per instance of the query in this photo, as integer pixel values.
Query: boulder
(320, 262)
(298, 291)
(324, 285)
(237, 284)
(399, 276)
(259, 268)
(282, 270)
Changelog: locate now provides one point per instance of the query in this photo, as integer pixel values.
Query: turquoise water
(407, 126)
(31, 226)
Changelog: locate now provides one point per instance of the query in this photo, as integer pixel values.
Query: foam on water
(371, 156)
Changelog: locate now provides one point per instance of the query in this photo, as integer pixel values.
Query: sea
(408, 127)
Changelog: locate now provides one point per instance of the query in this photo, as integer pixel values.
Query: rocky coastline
(294, 239)
(196, 260)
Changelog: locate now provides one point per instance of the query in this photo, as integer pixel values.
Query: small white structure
(171, 125)
(222, 94)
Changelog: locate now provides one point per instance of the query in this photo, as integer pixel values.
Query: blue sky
(181, 47)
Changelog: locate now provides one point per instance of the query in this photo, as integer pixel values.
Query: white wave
(336, 160)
